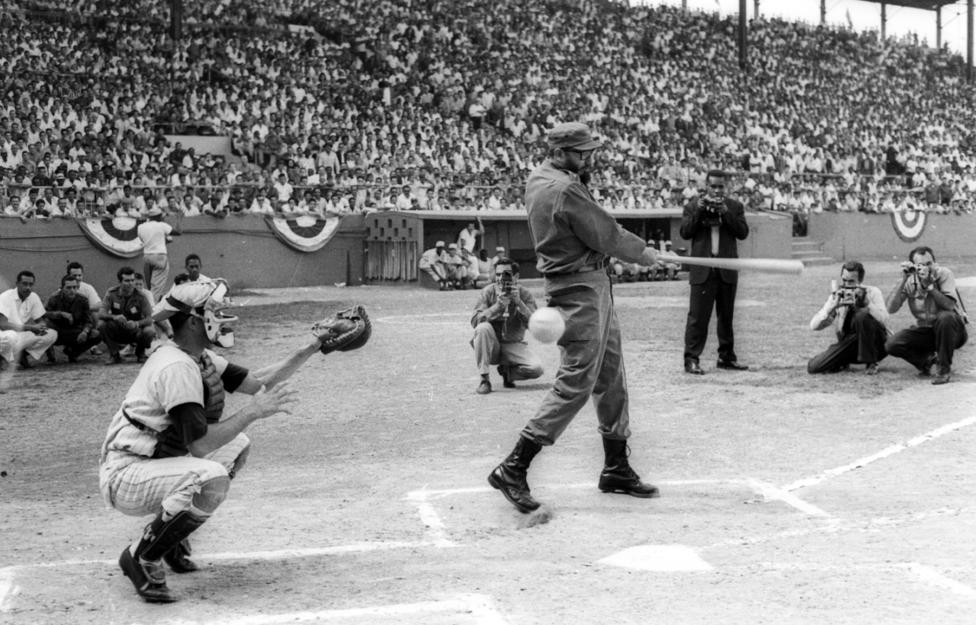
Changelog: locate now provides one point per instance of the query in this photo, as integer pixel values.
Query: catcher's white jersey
(169, 378)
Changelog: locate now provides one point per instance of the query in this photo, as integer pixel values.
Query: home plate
(658, 558)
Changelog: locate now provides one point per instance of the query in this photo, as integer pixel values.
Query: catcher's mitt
(346, 330)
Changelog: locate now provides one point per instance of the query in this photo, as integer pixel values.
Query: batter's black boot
(509, 476)
(618, 477)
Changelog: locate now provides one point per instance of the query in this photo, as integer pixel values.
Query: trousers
(865, 343)
(916, 344)
(488, 350)
(591, 360)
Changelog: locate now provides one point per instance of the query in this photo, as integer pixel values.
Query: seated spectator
(456, 267)
(126, 318)
(261, 204)
(23, 333)
(432, 263)
(69, 314)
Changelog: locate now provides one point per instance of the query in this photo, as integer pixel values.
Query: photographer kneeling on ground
(858, 314)
(940, 318)
(500, 319)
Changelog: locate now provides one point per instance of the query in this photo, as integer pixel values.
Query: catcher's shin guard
(178, 558)
(161, 536)
(617, 475)
(510, 476)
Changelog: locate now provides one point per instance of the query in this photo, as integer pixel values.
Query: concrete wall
(241, 249)
(864, 236)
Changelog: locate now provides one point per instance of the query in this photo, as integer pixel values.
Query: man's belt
(583, 269)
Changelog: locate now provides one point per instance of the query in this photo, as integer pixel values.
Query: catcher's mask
(203, 300)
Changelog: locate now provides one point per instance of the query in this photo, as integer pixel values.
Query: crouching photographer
(500, 319)
(858, 315)
(940, 317)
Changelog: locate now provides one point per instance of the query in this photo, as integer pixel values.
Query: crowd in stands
(363, 105)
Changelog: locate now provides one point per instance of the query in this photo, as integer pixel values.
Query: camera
(507, 282)
(713, 205)
(912, 269)
(850, 296)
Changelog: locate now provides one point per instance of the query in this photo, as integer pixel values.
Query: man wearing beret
(573, 238)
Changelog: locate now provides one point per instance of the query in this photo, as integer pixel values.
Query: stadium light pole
(176, 19)
(743, 36)
(884, 21)
(969, 41)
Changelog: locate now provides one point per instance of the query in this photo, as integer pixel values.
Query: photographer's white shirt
(875, 304)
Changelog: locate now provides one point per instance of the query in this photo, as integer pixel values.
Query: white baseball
(547, 325)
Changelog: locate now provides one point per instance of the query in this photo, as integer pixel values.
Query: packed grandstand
(364, 105)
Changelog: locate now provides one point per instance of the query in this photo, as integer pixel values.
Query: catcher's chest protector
(213, 389)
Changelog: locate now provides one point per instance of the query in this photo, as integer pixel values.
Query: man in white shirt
(468, 237)
(21, 331)
(284, 189)
(155, 234)
(858, 314)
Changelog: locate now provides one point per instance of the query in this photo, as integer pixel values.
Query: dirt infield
(786, 498)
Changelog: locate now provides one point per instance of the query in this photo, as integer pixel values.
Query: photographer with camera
(858, 315)
(940, 318)
(500, 319)
(713, 223)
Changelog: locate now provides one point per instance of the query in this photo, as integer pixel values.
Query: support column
(969, 40)
(884, 22)
(743, 36)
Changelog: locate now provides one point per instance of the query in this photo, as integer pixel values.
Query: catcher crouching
(169, 453)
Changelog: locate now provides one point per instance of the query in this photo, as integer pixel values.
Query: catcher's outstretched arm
(278, 372)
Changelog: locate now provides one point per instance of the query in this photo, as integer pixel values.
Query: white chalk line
(8, 590)
(834, 525)
(465, 608)
(774, 493)
(923, 572)
(427, 494)
(884, 453)
(932, 576)
(277, 554)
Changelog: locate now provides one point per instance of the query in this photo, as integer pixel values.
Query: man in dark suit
(713, 223)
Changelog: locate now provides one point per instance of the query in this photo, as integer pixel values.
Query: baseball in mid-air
(547, 325)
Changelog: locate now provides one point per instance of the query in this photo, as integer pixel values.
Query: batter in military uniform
(573, 237)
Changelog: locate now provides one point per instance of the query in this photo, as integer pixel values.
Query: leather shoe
(942, 377)
(506, 379)
(484, 388)
(731, 364)
(871, 369)
(693, 367)
(926, 369)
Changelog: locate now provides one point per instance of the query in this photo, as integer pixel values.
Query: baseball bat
(767, 265)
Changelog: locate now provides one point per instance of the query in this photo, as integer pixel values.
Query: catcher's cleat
(617, 475)
(148, 578)
(178, 558)
(510, 476)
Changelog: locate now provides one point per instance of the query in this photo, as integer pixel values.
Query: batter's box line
(473, 608)
(884, 453)
(436, 530)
